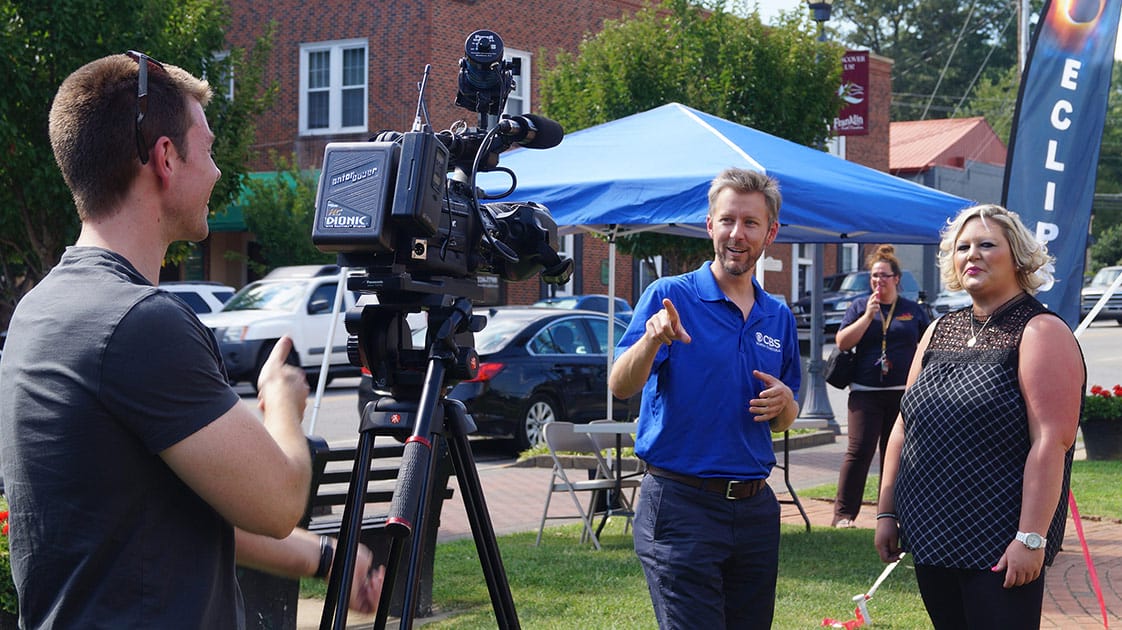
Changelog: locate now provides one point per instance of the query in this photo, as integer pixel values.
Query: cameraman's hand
(366, 582)
(280, 386)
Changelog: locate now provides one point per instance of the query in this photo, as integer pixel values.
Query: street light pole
(816, 405)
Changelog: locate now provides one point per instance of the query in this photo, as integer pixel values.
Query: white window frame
(802, 263)
(227, 78)
(335, 88)
(521, 91)
(566, 245)
(850, 260)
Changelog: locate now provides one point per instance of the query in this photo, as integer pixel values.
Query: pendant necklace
(974, 335)
(974, 338)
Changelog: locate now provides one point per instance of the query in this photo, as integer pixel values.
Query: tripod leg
(339, 587)
(478, 516)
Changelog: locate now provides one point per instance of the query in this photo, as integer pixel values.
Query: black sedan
(537, 365)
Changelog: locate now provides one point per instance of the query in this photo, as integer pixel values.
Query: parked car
(295, 301)
(536, 365)
(1094, 290)
(840, 290)
(948, 301)
(591, 302)
(202, 297)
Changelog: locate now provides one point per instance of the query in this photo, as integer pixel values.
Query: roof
(918, 145)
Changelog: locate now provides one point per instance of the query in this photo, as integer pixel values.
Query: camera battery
(354, 196)
(419, 191)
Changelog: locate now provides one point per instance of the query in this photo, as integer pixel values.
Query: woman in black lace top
(977, 469)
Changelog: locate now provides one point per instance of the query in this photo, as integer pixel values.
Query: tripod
(435, 421)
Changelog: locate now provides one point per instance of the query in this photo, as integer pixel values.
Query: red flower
(4, 530)
(1095, 389)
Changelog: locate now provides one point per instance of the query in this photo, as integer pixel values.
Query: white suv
(294, 301)
(202, 297)
(1092, 292)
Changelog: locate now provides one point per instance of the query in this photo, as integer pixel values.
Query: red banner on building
(853, 118)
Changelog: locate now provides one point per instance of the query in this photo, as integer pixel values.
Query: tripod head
(381, 337)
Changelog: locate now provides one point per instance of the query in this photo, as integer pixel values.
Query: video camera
(390, 205)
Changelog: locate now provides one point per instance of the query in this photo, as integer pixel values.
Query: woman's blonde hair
(1030, 256)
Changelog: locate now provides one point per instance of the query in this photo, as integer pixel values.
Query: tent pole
(611, 309)
(816, 405)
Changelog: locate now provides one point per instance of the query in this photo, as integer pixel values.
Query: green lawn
(563, 584)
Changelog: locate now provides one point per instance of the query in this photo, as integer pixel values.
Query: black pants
(871, 417)
(965, 599)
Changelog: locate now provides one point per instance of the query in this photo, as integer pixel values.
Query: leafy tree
(1107, 248)
(777, 79)
(942, 49)
(995, 99)
(280, 211)
(43, 41)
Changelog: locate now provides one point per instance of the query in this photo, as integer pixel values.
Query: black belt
(731, 489)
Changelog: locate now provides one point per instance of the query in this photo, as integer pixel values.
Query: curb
(794, 443)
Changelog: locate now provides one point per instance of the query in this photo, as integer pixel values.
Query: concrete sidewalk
(515, 497)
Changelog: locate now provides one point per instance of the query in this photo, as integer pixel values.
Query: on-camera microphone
(532, 131)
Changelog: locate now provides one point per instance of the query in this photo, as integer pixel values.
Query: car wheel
(266, 350)
(531, 430)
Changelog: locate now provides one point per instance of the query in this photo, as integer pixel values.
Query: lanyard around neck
(885, 323)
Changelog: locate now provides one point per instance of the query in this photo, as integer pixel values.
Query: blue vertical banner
(1056, 136)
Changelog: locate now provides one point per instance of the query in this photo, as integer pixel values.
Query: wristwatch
(1032, 540)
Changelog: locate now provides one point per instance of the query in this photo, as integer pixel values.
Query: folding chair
(608, 443)
(561, 440)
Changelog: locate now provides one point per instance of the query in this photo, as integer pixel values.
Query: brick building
(347, 71)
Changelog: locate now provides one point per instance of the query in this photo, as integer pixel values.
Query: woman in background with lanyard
(885, 330)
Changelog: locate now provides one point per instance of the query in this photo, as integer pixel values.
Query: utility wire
(982, 66)
(946, 65)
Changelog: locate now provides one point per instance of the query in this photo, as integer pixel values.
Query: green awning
(232, 218)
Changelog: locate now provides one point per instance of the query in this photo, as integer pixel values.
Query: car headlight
(841, 305)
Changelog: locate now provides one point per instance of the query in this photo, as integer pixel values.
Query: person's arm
(850, 335)
(1050, 373)
(255, 474)
(887, 536)
(300, 554)
(630, 371)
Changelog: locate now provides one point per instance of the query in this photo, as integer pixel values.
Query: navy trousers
(709, 562)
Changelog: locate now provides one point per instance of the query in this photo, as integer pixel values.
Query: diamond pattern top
(958, 491)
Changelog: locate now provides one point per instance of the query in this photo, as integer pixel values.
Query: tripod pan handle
(415, 460)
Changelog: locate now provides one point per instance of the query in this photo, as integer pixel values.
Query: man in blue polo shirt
(717, 360)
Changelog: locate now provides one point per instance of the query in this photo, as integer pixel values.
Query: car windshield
(856, 282)
(268, 296)
(1105, 277)
(501, 327)
(559, 302)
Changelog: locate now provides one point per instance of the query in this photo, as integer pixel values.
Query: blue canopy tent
(651, 171)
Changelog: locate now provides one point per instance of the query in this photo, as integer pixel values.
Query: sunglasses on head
(142, 61)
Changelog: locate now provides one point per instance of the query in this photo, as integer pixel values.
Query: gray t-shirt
(100, 373)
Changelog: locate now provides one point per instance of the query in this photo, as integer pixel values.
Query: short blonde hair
(1030, 256)
(743, 180)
